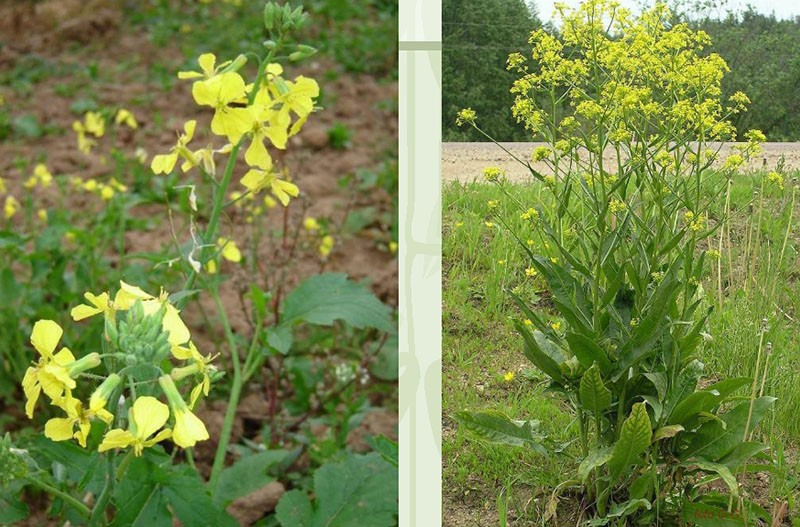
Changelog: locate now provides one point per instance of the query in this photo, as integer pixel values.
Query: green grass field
(753, 283)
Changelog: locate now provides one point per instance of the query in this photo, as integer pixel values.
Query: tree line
(478, 35)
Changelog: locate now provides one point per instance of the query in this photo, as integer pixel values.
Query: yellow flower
(775, 177)
(393, 247)
(616, 206)
(256, 180)
(126, 117)
(63, 428)
(3, 188)
(311, 224)
(459, 224)
(99, 398)
(42, 215)
(509, 376)
(106, 192)
(53, 373)
(229, 250)
(200, 365)
(527, 322)
(326, 246)
(189, 429)
(145, 418)
(164, 163)
(492, 173)
(11, 207)
(207, 62)
(530, 271)
(556, 325)
(489, 224)
(219, 92)
(467, 115)
(99, 304)
(95, 124)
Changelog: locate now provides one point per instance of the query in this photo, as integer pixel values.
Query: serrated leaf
(190, 500)
(387, 448)
(594, 395)
(246, 475)
(324, 298)
(280, 338)
(495, 427)
(634, 438)
(294, 509)
(361, 490)
(667, 431)
(595, 459)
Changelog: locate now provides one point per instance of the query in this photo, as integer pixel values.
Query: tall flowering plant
(630, 109)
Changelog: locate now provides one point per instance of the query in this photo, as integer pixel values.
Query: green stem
(233, 400)
(82, 509)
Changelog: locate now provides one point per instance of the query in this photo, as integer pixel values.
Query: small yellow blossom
(393, 247)
(326, 245)
(556, 325)
(501, 262)
(775, 177)
(616, 206)
(509, 376)
(127, 118)
(530, 272)
(459, 224)
(145, 418)
(527, 322)
(530, 214)
(492, 203)
(311, 224)
(42, 215)
(256, 180)
(489, 224)
(466, 116)
(492, 174)
(10, 207)
(540, 153)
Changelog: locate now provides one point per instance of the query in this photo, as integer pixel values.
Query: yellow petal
(257, 154)
(45, 337)
(189, 429)
(163, 163)
(32, 389)
(116, 438)
(189, 75)
(178, 332)
(59, 428)
(255, 180)
(229, 250)
(188, 129)
(207, 61)
(232, 123)
(149, 414)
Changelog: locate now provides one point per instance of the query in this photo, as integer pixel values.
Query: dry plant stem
(766, 368)
(755, 384)
(757, 241)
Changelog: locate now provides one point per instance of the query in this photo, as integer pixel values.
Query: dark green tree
(477, 37)
(764, 56)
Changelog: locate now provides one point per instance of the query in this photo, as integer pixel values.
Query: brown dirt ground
(75, 31)
(464, 162)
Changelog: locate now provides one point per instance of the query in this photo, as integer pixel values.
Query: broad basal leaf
(595, 459)
(495, 427)
(246, 475)
(594, 395)
(634, 438)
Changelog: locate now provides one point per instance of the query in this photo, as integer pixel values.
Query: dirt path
(465, 162)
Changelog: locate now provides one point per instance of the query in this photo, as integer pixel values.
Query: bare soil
(464, 162)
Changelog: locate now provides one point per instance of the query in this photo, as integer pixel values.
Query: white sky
(782, 9)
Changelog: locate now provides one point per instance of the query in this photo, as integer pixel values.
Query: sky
(781, 8)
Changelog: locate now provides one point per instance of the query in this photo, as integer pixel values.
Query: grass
(483, 261)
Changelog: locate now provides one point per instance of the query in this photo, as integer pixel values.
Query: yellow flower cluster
(41, 177)
(93, 124)
(55, 374)
(618, 70)
(106, 191)
(272, 112)
(250, 206)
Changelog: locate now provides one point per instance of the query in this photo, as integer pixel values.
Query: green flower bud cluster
(141, 337)
(14, 463)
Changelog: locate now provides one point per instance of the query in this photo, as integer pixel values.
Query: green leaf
(360, 490)
(246, 475)
(684, 386)
(667, 431)
(742, 453)
(594, 395)
(659, 380)
(495, 427)
(294, 509)
(280, 338)
(703, 515)
(705, 400)
(634, 438)
(191, 501)
(587, 351)
(534, 354)
(12, 510)
(713, 440)
(719, 469)
(386, 365)
(324, 298)
(595, 459)
(621, 510)
(387, 448)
